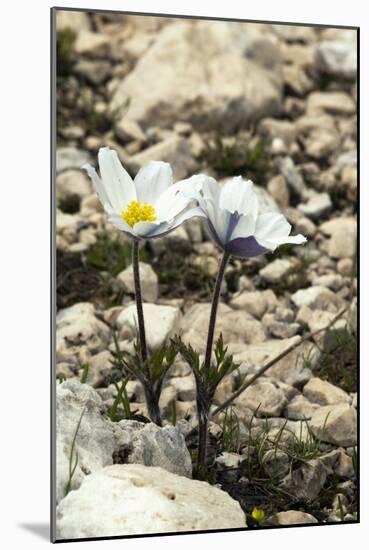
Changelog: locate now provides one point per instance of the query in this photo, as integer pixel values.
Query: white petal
(148, 230)
(272, 229)
(237, 195)
(245, 227)
(117, 182)
(187, 215)
(120, 224)
(99, 187)
(152, 180)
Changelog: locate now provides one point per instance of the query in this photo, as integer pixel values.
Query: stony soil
(276, 104)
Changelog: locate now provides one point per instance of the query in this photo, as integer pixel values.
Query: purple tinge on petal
(214, 234)
(232, 222)
(246, 248)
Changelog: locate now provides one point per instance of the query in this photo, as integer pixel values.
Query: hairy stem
(137, 283)
(203, 405)
(203, 399)
(152, 402)
(214, 308)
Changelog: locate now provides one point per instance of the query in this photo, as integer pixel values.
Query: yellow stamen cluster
(138, 212)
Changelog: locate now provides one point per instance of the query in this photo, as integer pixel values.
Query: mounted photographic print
(204, 275)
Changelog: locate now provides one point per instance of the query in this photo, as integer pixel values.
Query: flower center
(138, 212)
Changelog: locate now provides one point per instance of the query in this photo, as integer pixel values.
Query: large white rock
(132, 499)
(212, 74)
(148, 279)
(94, 442)
(161, 322)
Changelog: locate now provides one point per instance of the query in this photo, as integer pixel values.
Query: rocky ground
(276, 104)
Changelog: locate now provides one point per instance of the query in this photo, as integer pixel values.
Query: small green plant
(109, 254)
(150, 373)
(338, 362)
(174, 412)
(123, 399)
(85, 371)
(73, 463)
(230, 156)
(231, 431)
(64, 51)
(207, 378)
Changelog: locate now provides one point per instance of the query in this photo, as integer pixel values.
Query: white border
(25, 287)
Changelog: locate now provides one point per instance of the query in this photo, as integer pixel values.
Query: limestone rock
(290, 369)
(209, 74)
(300, 408)
(76, 326)
(76, 21)
(306, 482)
(94, 443)
(235, 326)
(255, 303)
(174, 150)
(316, 297)
(73, 182)
(70, 157)
(161, 322)
(323, 393)
(343, 236)
(275, 270)
(336, 424)
(264, 398)
(134, 499)
(148, 279)
(294, 517)
(151, 445)
(337, 58)
(317, 206)
(338, 103)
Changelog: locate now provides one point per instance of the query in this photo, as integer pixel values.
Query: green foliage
(64, 51)
(150, 373)
(338, 363)
(115, 414)
(230, 156)
(231, 431)
(73, 462)
(109, 254)
(84, 376)
(178, 275)
(207, 379)
(99, 121)
(296, 276)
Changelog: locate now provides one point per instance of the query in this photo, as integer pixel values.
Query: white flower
(149, 206)
(234, 222)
